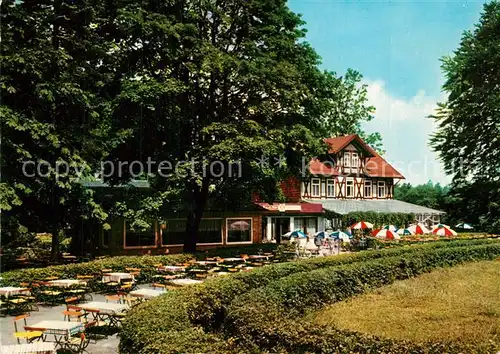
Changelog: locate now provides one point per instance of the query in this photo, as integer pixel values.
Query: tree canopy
(203, 85)
(468, 135)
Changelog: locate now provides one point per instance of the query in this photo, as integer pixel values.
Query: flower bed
(191, 319)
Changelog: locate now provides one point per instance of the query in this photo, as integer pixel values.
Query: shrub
(202, 308)
(270, 317)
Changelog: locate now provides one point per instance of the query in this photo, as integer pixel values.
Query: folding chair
(30, 336)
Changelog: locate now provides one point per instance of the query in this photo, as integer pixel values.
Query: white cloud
(405, 130)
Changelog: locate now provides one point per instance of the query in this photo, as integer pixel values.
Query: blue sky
(396, 46)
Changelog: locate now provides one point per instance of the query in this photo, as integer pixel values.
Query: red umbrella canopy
(362, 225)
(444, 231)
(419, 229)
(375, 232)
(387, 234)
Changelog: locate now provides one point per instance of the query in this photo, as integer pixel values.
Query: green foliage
(467, 138)
(429, 195)
(197, 312)
(269, 318)
(377, 219)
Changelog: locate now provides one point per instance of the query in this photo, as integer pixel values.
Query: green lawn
(459, 304)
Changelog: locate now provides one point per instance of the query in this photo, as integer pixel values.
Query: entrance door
(280, 227)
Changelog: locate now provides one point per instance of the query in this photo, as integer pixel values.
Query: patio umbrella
(296, 233)
(387, 234)
(375, 232)
(339, 235)
(419, 229)
(239, 225)
(464, 226)
(436, 226)
(321, 234)
(362, 225)
(404, 232)
(390, 227)
(444, 231)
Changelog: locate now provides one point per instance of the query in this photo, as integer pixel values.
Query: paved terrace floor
(108, 345)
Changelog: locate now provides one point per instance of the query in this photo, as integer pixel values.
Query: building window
(173, 232)
(347, 159)
(239, 230)
(349, 188)
(315, 185)
(354, 160)
(210, 231)
(368, 189)
(138, 237)
(381, 189)
(330, 188)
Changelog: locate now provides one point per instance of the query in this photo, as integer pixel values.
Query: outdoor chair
(129, 300)
(113, 298)
(17, 305)
(73, 312)
(29, 336)
(77, 343)
(158, 285)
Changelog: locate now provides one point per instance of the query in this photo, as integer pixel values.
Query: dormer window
(354, 160)
(347, 159)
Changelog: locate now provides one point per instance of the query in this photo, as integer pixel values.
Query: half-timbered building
(352, 177)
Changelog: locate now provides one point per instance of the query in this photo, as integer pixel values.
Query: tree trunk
(54, 253)
(195, 215)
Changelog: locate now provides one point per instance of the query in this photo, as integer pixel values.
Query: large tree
(468, 134)
(228, 81)
(54, 113)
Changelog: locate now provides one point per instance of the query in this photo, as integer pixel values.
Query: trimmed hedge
(196, 311)
(269, 318)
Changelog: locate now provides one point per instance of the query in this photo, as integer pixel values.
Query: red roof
(317, 167)
(338, 143)
(376, 166)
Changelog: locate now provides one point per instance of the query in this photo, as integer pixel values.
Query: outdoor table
(117, 277)
(206, 262)
(232, 260)
(257, 256)
(27, 348)
(61, 330)
(12, 290)
(197, 270)
(171, 269)
(65, 283)
(105, 308)
(185, 281)
(147, 293)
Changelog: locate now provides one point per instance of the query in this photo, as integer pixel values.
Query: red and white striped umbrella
(362, 225)
(387, 234)
(444, 231)
(419, 229)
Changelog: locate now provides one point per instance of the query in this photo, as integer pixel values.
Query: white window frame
(381, 184)
(368, 184)
(346, 159)
(354, 156)
(347, 188)
(315, 181)
(330, 183)
(239, 242)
